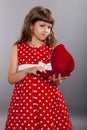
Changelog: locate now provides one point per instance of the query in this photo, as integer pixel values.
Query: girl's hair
(36, 14)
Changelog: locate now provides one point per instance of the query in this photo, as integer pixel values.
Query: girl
(37, 103)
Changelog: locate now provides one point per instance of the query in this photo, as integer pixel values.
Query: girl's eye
(49, 27)
(42, 25)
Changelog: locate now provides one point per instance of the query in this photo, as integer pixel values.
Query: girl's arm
(13, 75)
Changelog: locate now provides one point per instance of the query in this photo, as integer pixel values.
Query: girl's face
(41, 30)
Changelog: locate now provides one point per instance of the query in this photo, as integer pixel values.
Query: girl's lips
(44, 35)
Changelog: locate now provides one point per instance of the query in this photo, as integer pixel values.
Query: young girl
(37, 103)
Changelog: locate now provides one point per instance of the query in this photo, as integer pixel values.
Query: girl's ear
(31, 26)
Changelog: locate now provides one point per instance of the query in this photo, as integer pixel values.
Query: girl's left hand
(58, 80)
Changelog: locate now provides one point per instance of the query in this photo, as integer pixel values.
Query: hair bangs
(43, 15)
(51, 21)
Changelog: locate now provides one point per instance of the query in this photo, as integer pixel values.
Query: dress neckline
(35, 46)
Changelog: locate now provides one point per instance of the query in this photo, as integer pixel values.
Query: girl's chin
(41, 39)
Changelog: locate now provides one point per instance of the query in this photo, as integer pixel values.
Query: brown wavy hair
(34, 15)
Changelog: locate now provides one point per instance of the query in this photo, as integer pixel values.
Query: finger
(44, 71)
(63, 78)
(59, 76)
(54, 77)
(50, 78)
(34, 73)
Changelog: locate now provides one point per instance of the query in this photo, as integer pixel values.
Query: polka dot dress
(37, 103)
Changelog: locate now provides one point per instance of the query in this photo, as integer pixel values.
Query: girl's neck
(36, 43)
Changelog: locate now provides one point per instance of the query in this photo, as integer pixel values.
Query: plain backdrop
(71, 30)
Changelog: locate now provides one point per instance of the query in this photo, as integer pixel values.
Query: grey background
(70, 28)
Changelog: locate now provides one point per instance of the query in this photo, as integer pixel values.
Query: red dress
(37, 103)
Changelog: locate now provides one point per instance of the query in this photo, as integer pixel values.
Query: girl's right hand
(34, 70)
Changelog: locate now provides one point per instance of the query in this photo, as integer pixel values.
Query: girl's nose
(47, 30)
